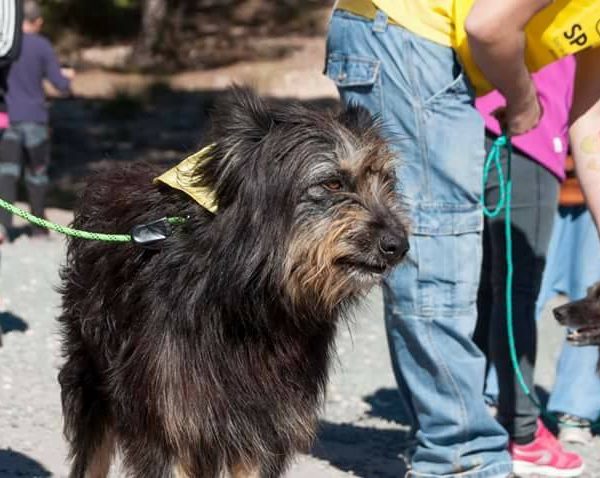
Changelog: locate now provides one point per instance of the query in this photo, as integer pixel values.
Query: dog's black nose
(392, 246)
(560, 314)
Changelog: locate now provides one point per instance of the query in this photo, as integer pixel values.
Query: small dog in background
(583, 318)
(209, 356)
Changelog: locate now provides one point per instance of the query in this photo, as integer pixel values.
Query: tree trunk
(154, 15)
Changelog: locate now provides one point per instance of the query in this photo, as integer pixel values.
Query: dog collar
(179, 177)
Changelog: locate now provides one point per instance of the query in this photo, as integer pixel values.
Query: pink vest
(548, 142)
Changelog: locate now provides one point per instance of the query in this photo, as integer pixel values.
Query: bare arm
(495, 30)
(585, 128)
(53, 71)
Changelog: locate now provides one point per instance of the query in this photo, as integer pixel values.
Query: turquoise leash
(504, 203)
(494, 158)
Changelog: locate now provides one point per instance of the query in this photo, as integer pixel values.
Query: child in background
(3, 127)
(10, 41)
(26, 141)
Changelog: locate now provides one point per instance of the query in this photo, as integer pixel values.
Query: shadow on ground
(11, 323)
(375, 446)
(15, 464)
(158, 125)
(367, 452)
(386, 404)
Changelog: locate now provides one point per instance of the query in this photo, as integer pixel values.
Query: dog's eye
(333, 185)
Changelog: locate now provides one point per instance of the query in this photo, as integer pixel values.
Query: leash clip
(152, 234)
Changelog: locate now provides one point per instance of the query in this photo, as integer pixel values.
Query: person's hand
(521, 114)
(68, 73)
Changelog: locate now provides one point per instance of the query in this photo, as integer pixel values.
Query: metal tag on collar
(152, 234)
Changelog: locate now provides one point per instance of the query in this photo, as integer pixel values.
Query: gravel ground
(361, 434)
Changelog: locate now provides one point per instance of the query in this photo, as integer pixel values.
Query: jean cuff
(497, 470)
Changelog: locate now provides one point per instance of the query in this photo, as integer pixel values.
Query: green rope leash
(493, 159)
(67, 231)
(504, 202)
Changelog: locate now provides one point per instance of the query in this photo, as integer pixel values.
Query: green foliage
(192, 33)
(125, 3)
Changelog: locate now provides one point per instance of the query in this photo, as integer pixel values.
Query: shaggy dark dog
(583, 318)
(209, 356)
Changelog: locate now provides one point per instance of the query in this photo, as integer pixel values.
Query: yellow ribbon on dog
(179, 177)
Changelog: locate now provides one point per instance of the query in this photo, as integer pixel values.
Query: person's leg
(577, 385)
(425, 103)
(11, 156)
(37, 149)
(534, 199)
(533, 448)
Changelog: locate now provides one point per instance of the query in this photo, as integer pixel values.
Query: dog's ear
(240, 121)
(357, 118)
(241, 116)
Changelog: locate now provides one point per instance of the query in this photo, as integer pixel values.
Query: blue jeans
(573, 265)
(425, 102)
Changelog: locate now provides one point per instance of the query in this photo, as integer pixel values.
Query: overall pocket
(357, 79)
(437, 73)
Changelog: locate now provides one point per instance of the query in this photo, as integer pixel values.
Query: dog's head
(310, 194)
(583, 318)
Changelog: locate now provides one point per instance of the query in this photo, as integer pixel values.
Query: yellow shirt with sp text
(564, 27)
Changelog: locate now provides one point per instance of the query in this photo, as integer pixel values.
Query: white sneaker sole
(525, 468)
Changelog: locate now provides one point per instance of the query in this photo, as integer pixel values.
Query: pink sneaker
(545, 456)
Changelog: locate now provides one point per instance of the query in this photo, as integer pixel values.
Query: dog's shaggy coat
(209, 356)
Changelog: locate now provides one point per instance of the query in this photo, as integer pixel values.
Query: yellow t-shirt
(431, 19)
(564, 27)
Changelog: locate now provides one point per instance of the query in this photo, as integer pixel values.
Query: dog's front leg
(242, 470)
(101, 458)
(179, 473)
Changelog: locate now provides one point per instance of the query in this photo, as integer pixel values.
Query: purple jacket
(25, 99)
(548, 142)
